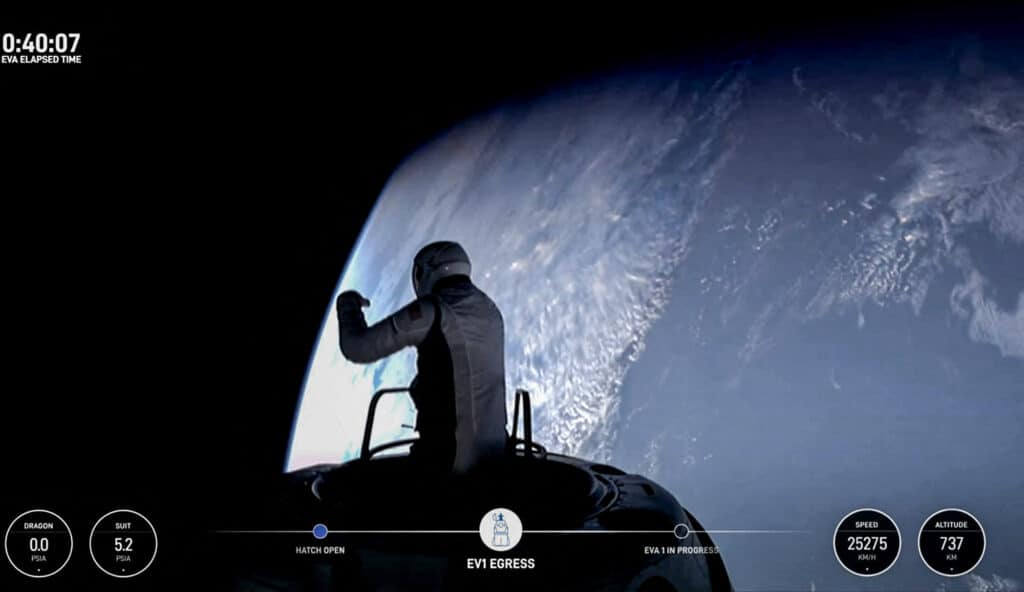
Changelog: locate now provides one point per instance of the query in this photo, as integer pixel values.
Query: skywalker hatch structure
(588, 526)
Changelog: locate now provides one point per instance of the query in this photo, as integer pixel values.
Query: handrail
(393, 444)
(365, 452)
(522, 394)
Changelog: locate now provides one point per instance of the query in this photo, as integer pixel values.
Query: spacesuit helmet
(436, 261)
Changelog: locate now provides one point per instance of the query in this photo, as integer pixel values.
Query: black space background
(176, 212)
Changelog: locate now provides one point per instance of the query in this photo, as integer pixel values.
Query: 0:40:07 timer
(41, 43)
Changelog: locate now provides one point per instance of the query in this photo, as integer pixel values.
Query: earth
(785, 285)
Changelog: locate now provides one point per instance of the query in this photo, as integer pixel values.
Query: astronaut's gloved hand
(350, 300)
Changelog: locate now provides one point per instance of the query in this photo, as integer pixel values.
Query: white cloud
(987, 322)
(996, 583)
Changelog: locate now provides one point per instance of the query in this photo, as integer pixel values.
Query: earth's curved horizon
(785, 287)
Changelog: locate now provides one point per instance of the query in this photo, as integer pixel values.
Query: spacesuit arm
(406, 327)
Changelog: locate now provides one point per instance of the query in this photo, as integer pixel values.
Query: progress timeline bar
(501, 529)
(525, 531)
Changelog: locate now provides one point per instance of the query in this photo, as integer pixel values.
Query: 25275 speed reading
(867, 543)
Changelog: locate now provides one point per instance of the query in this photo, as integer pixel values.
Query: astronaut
(459, 336)
(500, 532)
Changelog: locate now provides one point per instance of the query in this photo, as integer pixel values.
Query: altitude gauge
(951, 542)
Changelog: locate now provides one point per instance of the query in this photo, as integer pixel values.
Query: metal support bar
(365, 452)
(521, 394)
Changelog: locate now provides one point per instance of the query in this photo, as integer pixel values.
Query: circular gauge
(867, 542)
(951, 542)
(38, 543)
(501, 529)
(123, 543)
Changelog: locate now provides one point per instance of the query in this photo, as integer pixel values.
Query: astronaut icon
(500, 531)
